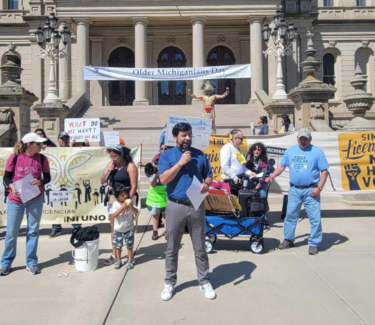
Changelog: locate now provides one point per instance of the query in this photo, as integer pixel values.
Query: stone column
(199, 54)
(97, 61)
(140, 24)
(83, 32)
(256, 55)
(150, 84)
(36, 86)
(65, 70)
(271, 66)
(292, 68)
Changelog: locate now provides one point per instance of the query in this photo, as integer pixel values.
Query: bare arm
(169, 175)
(193, 96)
(107, 170)
(323, 177)
(133, 174)
(155, 180)
(277, 172)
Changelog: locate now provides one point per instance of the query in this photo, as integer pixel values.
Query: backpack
(81, 235)
(15, 158)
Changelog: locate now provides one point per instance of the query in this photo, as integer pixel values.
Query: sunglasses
(182, 124)
(239, 138)
(39, 144)
(258, 149)
(163, 149)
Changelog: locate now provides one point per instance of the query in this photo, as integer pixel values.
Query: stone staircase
(141, 125)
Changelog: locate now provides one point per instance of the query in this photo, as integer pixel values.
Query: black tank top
(120, 177)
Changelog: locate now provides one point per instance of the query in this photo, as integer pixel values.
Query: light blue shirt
(304, 164)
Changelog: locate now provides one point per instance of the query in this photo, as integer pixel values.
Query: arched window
(13, 4)
(328, 3)
(221, 55)
(362, 58)
(329, 69)
(172, 92)
(121, 92)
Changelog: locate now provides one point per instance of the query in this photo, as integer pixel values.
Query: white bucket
(86, 257)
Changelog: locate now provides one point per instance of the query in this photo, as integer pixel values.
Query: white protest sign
(81, 129)
(109, 138)
(63, 196)
(201, 128)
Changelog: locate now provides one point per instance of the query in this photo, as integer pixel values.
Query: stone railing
(76, 103)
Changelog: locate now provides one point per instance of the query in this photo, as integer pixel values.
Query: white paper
(194, 193)
(81, 129)
(109, 138)
(27, 191)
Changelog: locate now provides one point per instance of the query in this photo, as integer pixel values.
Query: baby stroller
(225, 215)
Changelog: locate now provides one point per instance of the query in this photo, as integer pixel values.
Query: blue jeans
(312, 206)
(263, 193)
(15, 214)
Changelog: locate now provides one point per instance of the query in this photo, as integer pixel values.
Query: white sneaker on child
(167, 293)
(208, 291)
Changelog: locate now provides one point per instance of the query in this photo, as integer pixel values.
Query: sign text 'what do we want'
(81, 129)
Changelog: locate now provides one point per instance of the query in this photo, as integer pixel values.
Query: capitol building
(166, 34)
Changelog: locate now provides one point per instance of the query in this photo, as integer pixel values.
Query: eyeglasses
(163, 149)
(258, 149)
(239, 138)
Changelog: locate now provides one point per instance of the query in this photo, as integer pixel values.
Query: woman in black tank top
(120, 171)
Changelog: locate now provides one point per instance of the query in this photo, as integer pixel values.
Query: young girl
(123, 229)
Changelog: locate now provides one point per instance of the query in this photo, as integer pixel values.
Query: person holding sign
(233, 162)
(209, 100)
(177, 169)
(25, 161)
(156, 200)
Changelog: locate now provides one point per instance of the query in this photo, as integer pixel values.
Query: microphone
(186, 147)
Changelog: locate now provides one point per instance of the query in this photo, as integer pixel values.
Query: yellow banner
(357, 160)
(75, 193)
(213, 153)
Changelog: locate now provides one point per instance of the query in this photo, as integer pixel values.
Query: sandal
(110, 260)
(129, 266)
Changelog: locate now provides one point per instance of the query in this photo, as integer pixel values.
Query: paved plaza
(277, 287)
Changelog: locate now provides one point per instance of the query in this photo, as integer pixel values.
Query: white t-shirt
(232, 161)
(124, 222)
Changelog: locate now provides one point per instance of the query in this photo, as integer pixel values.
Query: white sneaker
(208, 291)
(167, 293)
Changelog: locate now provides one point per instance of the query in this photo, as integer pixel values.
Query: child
(123, 215)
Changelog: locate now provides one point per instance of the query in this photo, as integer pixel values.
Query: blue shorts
(154, 210)
(120, 237)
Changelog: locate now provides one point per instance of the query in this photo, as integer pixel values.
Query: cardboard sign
(201, 128)
(81, 129)
(109, 138)
(63, 196)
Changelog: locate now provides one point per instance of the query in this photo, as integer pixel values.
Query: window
(362, 59)
(13, 4)
(361, 3)
(329, 69)
(328, 3)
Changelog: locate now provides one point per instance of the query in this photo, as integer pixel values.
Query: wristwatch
(207, 184)
(320, 188)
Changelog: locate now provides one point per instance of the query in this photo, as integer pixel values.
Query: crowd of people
(172, 172)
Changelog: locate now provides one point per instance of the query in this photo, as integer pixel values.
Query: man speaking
(177, 168)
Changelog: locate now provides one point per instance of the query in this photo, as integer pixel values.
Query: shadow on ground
(329, 240)
(225, 274)
(62, 259)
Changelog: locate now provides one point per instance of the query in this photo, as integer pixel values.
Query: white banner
(201, 128)
(160, 74)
